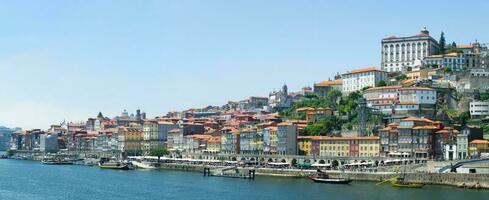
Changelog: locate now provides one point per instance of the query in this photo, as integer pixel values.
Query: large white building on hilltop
(358, 79)
(399, 53)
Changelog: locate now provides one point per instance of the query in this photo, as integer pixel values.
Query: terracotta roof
(176, 130)
(384, 88)
(416, 88)
(367, 69)
(377, 99)
(215, 139)
(413, 118)
(408, 103)
(422, 35)
(455, 54)
(165, 122)
(305, 109)
(465, 46)
(329, 83)
(285, 124)
(424, 127)
(479, 142)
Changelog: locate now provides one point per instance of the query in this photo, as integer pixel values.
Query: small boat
(145, 165)
(330, 180)
(18, 157)
(400, 182)
(56, 161)
(230, 172)
(322, 177)
(110, 164)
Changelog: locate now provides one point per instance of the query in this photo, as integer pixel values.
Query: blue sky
(70, 59)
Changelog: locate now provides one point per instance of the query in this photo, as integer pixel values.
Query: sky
(68, 60)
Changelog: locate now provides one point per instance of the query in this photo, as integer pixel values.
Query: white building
(398, 53)
(479, 109)
(454, 61)
(398, 99)
(450, 151)
(479, 73)
(358, 79)
(280, 99)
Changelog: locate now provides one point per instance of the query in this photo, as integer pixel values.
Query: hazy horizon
(68, 60)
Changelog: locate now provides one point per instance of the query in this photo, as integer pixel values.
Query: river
(21, 180)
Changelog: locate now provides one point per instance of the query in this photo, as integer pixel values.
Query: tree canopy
(442, 43)
(158, 152)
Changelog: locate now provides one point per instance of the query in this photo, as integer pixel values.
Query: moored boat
(322, 177)
(111, 164)
(400, 182)
(318, 179)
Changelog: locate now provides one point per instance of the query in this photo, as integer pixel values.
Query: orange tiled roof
(413, 118)
(176, 130)
(384, 88)
(416, 88)
(465, 46)
(425, 127)
(329, 83)
(479, 142)
(367, 69)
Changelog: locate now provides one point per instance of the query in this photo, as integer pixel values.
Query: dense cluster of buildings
(410, 88)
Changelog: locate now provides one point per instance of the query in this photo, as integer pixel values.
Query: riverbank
(450, 179)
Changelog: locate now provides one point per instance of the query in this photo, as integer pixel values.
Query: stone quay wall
(453, 179)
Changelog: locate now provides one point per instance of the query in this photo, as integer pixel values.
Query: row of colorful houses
(411, 137)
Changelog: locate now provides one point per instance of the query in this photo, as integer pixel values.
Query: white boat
(144, 165)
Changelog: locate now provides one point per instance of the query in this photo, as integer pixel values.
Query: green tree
(311, 96)
(442, 43)
(158, 152)
(485, 129)
(448, 69)
(401, 77)
(349, 104)
(381, 83)
(323, 127)
(333, 95)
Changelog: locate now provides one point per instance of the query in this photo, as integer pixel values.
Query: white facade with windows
(398, 53)
(454, 61)
(479, 109)
(392, 99)
(356, 80)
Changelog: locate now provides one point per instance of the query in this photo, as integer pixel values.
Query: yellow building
(305, 145)
(478, 146)
(214, 144)
(348, 146)
(133, 138)
(314, 114)
(417, 74)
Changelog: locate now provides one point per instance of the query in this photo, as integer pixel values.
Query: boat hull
(117, 167)
(330, 180)
(57, 163)
(409, 185)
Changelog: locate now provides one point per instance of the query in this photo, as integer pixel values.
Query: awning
(279, 164)
(320, 165)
